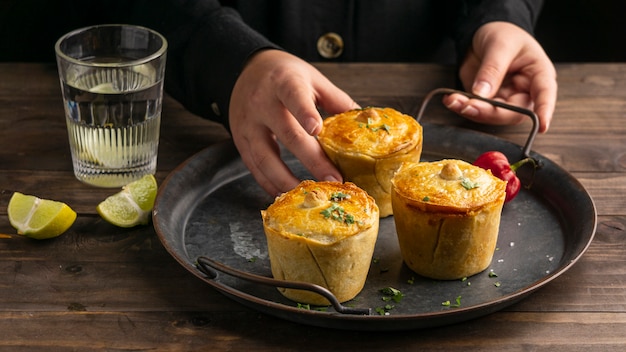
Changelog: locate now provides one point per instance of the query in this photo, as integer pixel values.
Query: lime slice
(39, 218)
(104, 88)
(132, 205)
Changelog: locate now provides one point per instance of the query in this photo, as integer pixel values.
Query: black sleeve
(474, 13)
(208, 46)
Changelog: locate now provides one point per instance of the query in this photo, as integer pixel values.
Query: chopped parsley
(391, 293)
(383, 127)
(456, 304)
(426, 199)
(308, 307)
(369, 125)
(468, 184)
(384, 310)
(304, 306)
(336, 212)
(339, 196)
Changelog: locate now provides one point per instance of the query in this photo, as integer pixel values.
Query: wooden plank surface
(101, 287)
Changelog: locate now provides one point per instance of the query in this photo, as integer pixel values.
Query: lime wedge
(131, 206)
(39, 218)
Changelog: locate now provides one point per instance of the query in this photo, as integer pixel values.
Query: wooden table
(102, 287)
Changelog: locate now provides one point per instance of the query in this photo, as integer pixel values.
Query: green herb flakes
(468, 184)
(383, 127)
(336, 212)
(456, 304)
(391, 294)
(384, 310)
(339, 196)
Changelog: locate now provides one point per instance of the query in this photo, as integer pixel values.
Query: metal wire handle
(209, 266)
(529, 113)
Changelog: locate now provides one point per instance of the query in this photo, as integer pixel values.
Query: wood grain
(99, 287)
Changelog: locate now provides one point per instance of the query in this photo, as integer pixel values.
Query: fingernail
(482, 88)
(331, 178)
(469, 111)
(312, 126)
(455, 104)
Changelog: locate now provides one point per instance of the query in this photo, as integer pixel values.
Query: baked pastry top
(447, 185)
(368, 145)
(322, 233)
(447, 216)
(372, 131)
(323, 212)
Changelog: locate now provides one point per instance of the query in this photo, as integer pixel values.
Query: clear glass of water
(112, 83)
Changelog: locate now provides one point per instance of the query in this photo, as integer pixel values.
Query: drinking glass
(112, 83)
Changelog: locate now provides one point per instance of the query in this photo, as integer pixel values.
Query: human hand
(275, 99)
(506, 63)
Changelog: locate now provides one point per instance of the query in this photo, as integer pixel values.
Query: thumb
(489, 76)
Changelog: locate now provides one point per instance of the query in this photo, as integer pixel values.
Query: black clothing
(210, 41)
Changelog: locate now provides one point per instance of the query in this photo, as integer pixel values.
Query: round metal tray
(209, 207)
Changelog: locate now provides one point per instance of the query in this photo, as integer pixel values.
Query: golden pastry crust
(447, 216)
(368, 145)
(322, 233)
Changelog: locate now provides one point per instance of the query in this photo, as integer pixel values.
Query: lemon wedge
(131, 206)
(39, 218)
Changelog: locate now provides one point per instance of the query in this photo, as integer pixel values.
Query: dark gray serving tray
(210, 206)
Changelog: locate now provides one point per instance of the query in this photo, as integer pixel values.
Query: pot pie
(447, 215)
(368, 145)
(322, 233)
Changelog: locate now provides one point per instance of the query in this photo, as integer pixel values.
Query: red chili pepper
(502, 169)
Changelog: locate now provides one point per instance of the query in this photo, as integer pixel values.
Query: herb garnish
(308, 307)
(304, 306)
(336, 212)
(370, 126)
(392, 294)
(338, 196)
(384, 127)
(457, 303)
(384, 310)
(468, 184)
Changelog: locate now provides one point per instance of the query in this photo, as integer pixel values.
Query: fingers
(260, 152)
(301, 98)
(332, 99)
(299, 109)
(262, 157)
(506, 64)
(484, 112)
(275, 101)
(544, 93)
